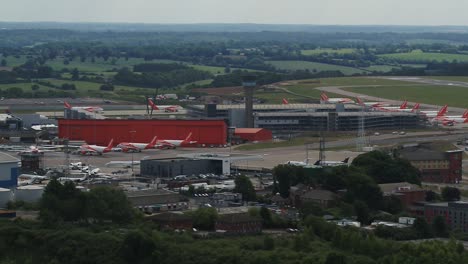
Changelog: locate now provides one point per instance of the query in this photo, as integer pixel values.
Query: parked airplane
(137, 147)
(402, 108)
(122, 164)
(94, 149)
(284, 101)
(93, 109)
(450, 120)
(441, 112)
(326, 99)
(37, 150)
(172, 143)
(327, 163)
(370, 104)
(166, 108)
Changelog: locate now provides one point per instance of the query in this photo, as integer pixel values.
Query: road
(339, 90)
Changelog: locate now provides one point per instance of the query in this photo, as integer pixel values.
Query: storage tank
(29, 193)
(5, 196)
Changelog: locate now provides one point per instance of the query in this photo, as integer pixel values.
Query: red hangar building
(101, 131)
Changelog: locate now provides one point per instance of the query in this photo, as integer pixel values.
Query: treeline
(360, 182)
(159, 67)
(160, 79)
(235, 77)
(318, 242)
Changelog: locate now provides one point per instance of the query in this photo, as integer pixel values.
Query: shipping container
(204, 132)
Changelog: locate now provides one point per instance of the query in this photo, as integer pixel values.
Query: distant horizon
(268, 12)
(235, 23)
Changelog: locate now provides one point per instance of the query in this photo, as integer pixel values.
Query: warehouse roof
(7, 158)
(247, 130)
(417, 154)
(399, 187)
(237, 218)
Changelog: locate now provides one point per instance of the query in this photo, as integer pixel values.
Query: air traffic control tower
(249, 83)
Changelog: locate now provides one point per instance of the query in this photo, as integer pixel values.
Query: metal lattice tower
(361, 140)
(322, 148)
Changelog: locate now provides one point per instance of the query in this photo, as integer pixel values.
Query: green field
(430, 94)
(322, 51)
(449, 78)
(313, 66)
(423, 57)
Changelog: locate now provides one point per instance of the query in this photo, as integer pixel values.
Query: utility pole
(132, 133)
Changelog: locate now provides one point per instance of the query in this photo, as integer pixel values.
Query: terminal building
(297, 118)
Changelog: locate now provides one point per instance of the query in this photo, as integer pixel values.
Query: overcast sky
(343, 12)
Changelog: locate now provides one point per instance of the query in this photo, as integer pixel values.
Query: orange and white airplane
(284, 101)
(370, 104)
(441, 112)
(173, 143)
(92, 109)
(389, 108)
(137, 147)
(402, 108)
(166, 108)
(95, 149)
(324, 98)
(450, 120)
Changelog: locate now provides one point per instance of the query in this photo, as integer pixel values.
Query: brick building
(407, 193)
(435, 166)
(239, 224)
(158, 200)
(171, 220)
(454, 213)
(301, 194)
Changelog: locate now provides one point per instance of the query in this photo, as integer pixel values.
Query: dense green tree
(204, 218)
(137, 247)
(265, 214)
(75, 74)
(362, 212)
(335, 258)
(104, 204)
(392, 205)
(3, 63)
(244, 186)
(439, 226)
(422, 228)
(450, 194)
(384, 168)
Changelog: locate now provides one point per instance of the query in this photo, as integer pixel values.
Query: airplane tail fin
(109, 146)
(324, 97)
(360, 102)
(285, 101)
(465, 114)
(415, 107)
(153, 142)
(404, 104)
(189, 136)
(346, 160)
(152, 104)
(67, 105)
(443, 110)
